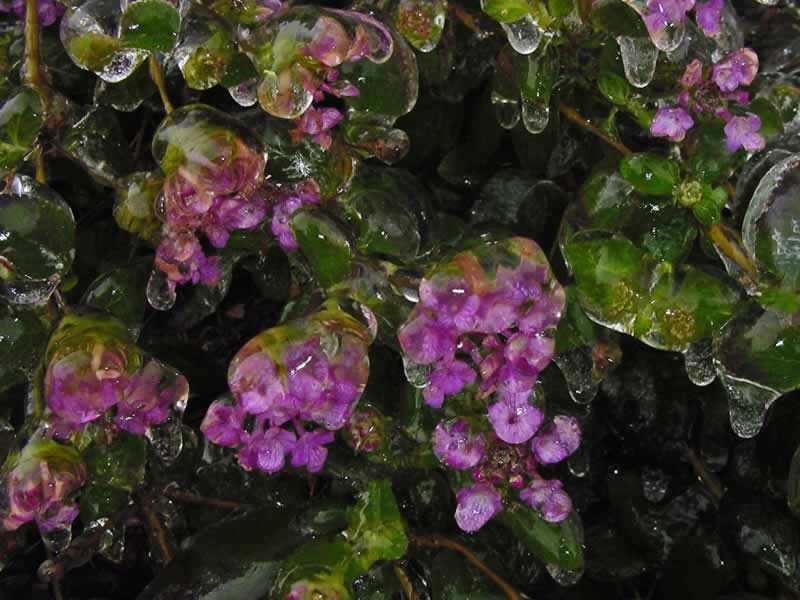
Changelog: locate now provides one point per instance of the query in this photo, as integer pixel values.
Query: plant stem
(33, 54)
(157, 531)
(437, 541)
(41, 174)
(576, 118)
(712, 484)
(188, 498)
(157, 75)
(727, 242)
(405, 583)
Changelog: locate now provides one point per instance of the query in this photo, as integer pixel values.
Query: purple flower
(267, 450)
(559, 439)
(287, 202)
(454, 303)
(548, 497)
(661, 14)
(180, 257)
(707, 15)
(448, 377)
(425, 340)
(455, 447)
(671, 123)
(737, 68)
(144, 404)
(317, 122)
(742, 132)
(309, 451)
(41, 483)
(81, 386)
(255, 383)
(476, 505)
(223, 424)
(543, 314)
(49, 10)
(693, 73)
(529, 354)
(366, 430)
(515, 421)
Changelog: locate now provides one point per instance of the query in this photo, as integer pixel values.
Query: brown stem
(437, 541)
(727, 241)
(710, 481)
(576, 118)
(405, 583)
(41, 174)
(464, 17)
(33, 53)
(157, 75)
(188, 498)
(157, 531)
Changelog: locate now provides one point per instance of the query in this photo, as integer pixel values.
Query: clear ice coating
(639, 57)
(417, 375)
(572, 526)
(159, 294)
(576, 366)
(578, 463)
(58, 538)
(667, 35)
(699, 362)
(245, 94)
(535, 116)
(524, 35)
(506, 110)
(748, 403)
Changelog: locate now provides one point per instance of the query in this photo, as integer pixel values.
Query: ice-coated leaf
(650, 174)
(128, 94)
(23, 336)
(120, 292)
(204, 49)
(134, 204)
(20, 122)
(97, 143)
(38, 232)
(324, 244)
(150, 25)
(505, 11)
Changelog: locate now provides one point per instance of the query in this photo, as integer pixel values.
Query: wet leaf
(650, 174)
(20, 123)
(324, 244)
(150, 25)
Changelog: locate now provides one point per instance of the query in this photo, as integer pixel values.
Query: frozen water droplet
(284, 94)
(535, 116)
(639, 58)
(245, 94)
(578, 462)
(159, 294)
(167, 438)
(577, 365)
(700, 362)
(769, 2)
(58, 538)
(122, 64)
(655, 483)
(417, 375)
(329, 343)
(523, 35)
(506, 110)
(747, 404)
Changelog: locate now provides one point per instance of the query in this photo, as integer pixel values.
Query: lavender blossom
(148, 398)
(671, 123)
(559, 440)
(310, 450)
(286, 202)
(515, 421)
(660, 14)
(223, 423)
(317, 123)
(267, 450)
(181, 258)
(743, 132)
(708, 15)
(736, 69)
(455, 447)
(549, 498)
(476, 505)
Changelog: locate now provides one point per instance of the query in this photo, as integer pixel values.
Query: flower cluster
(285, 201)
(293, 386)
(498, 468)
(49, 10)
(40, 484)
(714, 91)
(466, 323)
(212, 187)
(96, 372)
(660, 15)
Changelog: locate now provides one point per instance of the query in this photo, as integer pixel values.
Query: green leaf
(506, 11)
(375, 528)
(205, 48)
(126, 95)
(561, 8)
(536, 74)
(149, 25)
(134, 204)
(97, 143)
(92, 50)
(710, 159)
(20, 123)
(650, 174)
(324, 244)
(121, 293)
(614, 87)
(24, 337)
(556, 544)
(771, 121)
(574, 329)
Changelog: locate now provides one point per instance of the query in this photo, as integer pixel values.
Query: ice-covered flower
(448, 377)
(558, 440)
(222, 424)
(736, 69)
(671, 123)
(267, 450)
(310, 451)
(256, 384)
(708, 15)
(181, 258)
(743, 132)
(148, 398)
(476, 505)
(286, 202)
(549, 498)
(49, 10)
(515, 421)
(40, 485)
(660, 14)
(317, 123)
(456, 447)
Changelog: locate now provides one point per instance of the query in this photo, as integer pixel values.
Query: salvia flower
(737, 69)
(456, 447)
(743, 132)
(671, 123)
(476, 505)
(40, 485)
(293, 386)
(549, 498)
(708, 15)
